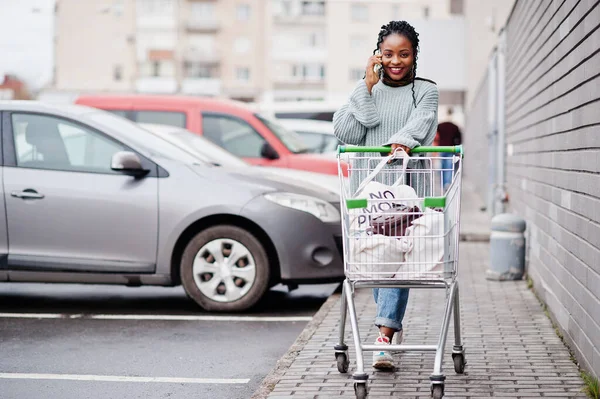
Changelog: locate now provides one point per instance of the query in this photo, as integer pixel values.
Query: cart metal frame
(448, 280)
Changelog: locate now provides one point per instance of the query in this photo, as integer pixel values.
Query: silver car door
(67, 209)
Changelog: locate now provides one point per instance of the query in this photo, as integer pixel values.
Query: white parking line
(151, 317)
(117, 378)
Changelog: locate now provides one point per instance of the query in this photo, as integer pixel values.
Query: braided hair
(405, 29)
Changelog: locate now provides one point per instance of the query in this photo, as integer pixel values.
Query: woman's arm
(422, 124)
(351, 121)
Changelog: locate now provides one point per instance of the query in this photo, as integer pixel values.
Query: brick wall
(553, 133)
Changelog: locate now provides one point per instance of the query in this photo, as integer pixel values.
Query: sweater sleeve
(422, 123)
(351, 121)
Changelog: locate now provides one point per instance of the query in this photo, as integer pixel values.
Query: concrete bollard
(507, 248)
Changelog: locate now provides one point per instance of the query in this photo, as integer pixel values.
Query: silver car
(91, 197)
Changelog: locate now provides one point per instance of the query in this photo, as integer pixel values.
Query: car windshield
(142, 138)
(290, 139)
(206, 149)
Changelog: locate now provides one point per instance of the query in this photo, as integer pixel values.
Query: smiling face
(398, 56)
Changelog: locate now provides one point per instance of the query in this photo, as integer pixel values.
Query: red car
(229, 124)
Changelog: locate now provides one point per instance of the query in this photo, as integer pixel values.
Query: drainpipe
(501, 196)
(492, 132)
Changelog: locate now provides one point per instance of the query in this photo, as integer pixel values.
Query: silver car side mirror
(128, 163)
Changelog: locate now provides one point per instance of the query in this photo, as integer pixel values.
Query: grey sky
(26, 35)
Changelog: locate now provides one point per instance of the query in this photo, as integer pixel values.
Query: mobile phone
(377, 67)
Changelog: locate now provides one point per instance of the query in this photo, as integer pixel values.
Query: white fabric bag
(426, 242)
(377, 256)
(384, 197)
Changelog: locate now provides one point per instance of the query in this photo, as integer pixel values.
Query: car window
(47, 142)
(234, 135)
(313, 141)
(170, 118)
(331, 143)
(289, 138)
(120, 112)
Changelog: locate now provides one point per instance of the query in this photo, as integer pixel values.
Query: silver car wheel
(224, 270)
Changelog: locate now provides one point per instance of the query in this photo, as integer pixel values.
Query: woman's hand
(396, 146)
(372, 77)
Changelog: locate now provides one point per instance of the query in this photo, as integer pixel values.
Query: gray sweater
(388, 116)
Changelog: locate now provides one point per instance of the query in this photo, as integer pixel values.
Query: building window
(155, 7)
(242, 45)
(356, 74)
(243, 12)
(456, 7)
(309, 71)
(202, 43)
(313, 8)
(242, 74)
(158, 68)
(316, 40)
(286, 7)
(202, 11)
(359, 12)
(118, 73)
(199, 70)
(155, 68)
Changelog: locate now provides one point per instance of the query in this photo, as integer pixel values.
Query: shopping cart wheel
(360, 389)
(437, 391)
(342, 362)
(459, 362)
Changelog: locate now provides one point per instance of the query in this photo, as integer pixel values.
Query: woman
(394, 108)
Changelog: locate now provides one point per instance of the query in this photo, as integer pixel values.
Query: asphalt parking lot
(80, 341)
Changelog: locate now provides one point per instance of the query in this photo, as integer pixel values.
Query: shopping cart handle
(455, 149)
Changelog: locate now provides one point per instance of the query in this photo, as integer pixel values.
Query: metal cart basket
(400, 227)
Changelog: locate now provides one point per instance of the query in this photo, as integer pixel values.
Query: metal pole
(492, 129)
(501, 123)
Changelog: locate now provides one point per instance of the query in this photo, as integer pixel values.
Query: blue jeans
(391, 305)
(447, 167)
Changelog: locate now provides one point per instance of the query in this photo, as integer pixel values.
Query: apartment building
(253, 50)
(94, 45)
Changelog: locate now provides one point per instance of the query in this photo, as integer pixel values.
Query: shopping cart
(404, 256)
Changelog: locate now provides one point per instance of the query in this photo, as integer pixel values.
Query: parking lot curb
(284, 363)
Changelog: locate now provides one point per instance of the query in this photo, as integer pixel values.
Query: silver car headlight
(315, 206)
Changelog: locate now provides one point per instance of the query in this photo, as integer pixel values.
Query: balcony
(156, 85)
(294, 83)
(300, 19)
(302, 54)
(201, 57)
(202, 25)
(201, 86)
(306, 13)
(153, 22)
